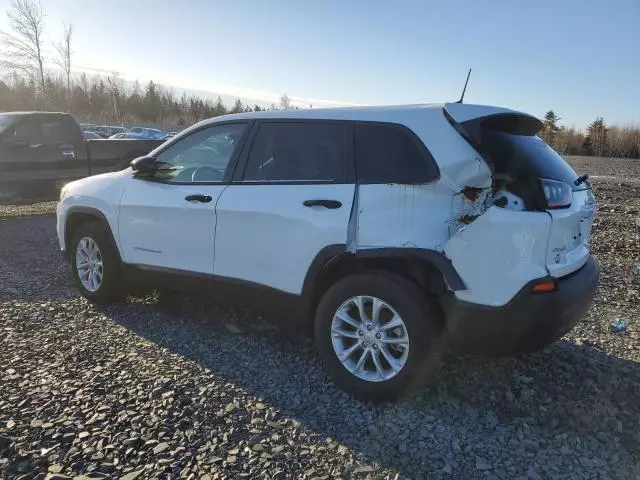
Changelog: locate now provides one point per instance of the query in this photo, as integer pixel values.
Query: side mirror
(144, 166)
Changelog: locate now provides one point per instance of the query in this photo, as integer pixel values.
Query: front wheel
(95, 263)
(377, 335)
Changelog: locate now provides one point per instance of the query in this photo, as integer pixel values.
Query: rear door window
(297, 151)
(391, 154)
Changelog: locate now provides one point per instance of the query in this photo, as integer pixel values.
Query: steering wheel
(204, 168)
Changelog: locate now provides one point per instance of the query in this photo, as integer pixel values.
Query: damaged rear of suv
(399, 232)
(510, 220)
(525, 257)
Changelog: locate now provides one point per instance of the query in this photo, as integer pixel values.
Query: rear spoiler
(471, 120)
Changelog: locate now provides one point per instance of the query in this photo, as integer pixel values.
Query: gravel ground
(627, 168)
(26, 210)
(170, 387)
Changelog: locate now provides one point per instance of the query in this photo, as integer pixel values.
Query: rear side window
(524, 155)
(53, 133)
(297, 151)
(391, 154)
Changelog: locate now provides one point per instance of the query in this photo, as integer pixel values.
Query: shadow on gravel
(549, 403)
(27, 269)
(560, 403)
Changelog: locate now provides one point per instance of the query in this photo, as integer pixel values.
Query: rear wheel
(377, 335)
(95, 263)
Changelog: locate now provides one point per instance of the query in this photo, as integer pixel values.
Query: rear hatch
(530, 170)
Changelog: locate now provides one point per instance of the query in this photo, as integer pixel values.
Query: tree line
(599, 139)
(103, 101)
(28, 85)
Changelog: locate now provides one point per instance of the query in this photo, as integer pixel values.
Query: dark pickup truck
(41, 150)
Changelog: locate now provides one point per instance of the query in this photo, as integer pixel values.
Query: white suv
(397, 232)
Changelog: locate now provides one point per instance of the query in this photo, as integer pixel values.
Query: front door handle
(198, 198)
(68, 153)
(321, 202)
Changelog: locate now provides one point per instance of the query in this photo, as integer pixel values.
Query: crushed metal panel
(466, 206)
(468, 172)
(499, 253)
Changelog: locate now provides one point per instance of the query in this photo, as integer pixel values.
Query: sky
(579, 58)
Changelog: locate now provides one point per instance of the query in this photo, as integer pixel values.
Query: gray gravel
(171, 387)
(25, 210)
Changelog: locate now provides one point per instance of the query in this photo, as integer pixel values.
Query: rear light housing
(557, 194)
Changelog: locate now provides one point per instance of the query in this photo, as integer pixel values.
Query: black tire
(111, 287)
(423, 324)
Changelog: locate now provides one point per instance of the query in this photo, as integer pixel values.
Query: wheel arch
(79, 215)
(429, 269)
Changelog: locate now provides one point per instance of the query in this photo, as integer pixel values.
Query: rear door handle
(321, 202)
(198, 198)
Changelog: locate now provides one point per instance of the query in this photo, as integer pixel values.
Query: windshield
(6, 121)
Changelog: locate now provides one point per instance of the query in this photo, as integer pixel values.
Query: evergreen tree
(551, 121)
(151, 103)
(595, 143)
(219, 108)
(237, 107)
(285, 102)
(550, 128)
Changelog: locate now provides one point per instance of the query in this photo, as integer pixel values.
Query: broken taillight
(557, 194)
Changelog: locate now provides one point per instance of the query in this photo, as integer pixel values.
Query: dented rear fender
(498, 253)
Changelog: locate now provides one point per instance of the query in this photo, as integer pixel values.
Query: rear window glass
(389, 154)
(6, 121)
(53, 133)
(525, 155)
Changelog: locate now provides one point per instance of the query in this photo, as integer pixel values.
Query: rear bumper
(528, 322)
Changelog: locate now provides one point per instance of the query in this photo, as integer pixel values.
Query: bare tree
(22, 49)
(63, 49)
(285, 102)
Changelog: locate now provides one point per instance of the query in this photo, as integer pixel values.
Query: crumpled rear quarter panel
(500, 252)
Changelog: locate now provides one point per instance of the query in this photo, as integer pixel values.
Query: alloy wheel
(370, 338)
(89, 264)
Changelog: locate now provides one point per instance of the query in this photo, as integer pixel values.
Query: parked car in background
(40, 149)
(89, 135)
(395, 232)
(107, 130)
(152, 133)
(87, 127)
(128, 135)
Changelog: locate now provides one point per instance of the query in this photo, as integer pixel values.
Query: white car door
(294, 198)
(169, 220)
